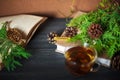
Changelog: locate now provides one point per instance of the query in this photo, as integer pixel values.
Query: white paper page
(23, 22)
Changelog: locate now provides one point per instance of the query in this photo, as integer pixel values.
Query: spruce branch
(10, 51)
(108, 17)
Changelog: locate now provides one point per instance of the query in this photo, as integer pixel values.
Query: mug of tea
(80, 60)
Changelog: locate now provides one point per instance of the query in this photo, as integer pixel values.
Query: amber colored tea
(79, 60)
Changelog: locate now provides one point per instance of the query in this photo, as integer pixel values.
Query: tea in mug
(79, 60)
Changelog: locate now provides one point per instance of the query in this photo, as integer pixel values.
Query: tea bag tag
(104, 62)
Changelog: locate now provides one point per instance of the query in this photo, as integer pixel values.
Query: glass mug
(80, 60)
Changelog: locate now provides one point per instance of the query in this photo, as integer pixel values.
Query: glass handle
(95, 67)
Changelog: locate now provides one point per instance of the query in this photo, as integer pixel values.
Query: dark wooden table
(46, 64)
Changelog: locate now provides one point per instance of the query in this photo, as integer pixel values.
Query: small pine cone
(95, 31)
(51, 36)
(70, 31)
(115, 62)
(1, 66)
(16, 36)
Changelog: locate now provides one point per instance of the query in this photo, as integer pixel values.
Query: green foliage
(109, 18)
(10, 51)
(3, 32)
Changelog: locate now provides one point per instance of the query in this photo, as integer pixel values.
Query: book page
(22, 22)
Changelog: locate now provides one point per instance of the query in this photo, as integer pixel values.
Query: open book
(27, 24)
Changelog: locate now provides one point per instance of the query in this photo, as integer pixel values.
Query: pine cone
(115, 62)
(95, 31)
(1, 66)
(70, 31)
(16, 36)
(51, 36)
